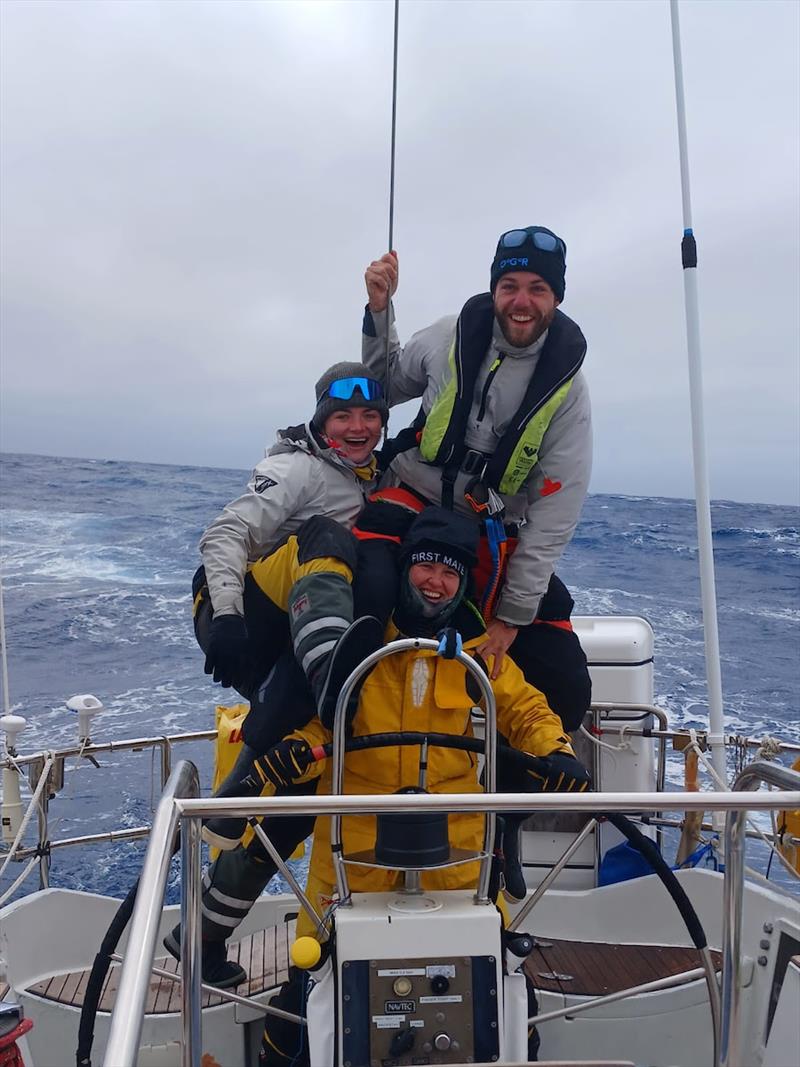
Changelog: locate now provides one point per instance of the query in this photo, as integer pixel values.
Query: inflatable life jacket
(507, 468)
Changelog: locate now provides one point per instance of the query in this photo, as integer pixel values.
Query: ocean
(97, 561)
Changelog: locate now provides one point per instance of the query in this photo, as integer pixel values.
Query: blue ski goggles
(345, 389)
(541, 239)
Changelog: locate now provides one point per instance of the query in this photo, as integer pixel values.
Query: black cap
(440, 536)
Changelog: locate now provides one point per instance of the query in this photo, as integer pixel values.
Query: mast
(716, 718)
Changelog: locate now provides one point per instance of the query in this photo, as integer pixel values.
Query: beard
(523, 334)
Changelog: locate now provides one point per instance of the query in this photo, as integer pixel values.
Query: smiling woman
(322, 468)
(354, 433)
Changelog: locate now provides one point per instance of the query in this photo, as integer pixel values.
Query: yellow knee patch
(277, 573)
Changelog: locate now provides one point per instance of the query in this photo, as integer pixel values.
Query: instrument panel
(431, 1011)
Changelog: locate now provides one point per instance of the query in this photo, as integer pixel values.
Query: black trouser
(236, 879)
(551, 658)
(267, 632)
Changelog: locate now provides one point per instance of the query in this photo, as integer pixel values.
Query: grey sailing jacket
(549, 505)
(297, 480)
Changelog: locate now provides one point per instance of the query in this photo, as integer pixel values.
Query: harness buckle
(474, 462)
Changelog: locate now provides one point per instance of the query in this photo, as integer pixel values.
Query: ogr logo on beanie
(430, 555)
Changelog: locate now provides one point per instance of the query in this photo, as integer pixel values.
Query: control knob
(439, 985)
(442, 1041)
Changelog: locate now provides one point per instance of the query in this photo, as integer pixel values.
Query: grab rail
(128, 1015)
(373, 804)
(733, 888)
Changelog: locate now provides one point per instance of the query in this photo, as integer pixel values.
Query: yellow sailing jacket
(420, 691)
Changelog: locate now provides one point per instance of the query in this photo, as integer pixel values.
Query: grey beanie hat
(358, 398)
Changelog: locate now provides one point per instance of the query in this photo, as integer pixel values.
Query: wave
(784, 533)
(98, 565)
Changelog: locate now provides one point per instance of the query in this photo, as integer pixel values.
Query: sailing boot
(515, 887)
(231, 886)
(216, 968)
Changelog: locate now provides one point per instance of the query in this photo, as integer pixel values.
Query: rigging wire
(394, 124)
(391, 182)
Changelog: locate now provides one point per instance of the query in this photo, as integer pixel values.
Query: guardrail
(750, 778)
(164, 744)
(126, 1024)
(36, 762)
(176, 808)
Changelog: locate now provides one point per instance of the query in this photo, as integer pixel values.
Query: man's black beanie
(550, 265)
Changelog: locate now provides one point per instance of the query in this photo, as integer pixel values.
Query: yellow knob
(305, 953)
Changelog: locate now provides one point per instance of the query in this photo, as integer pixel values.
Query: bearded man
(503, 433)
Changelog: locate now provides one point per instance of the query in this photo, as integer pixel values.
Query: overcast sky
(191, 191)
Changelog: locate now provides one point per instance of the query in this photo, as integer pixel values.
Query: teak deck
(263, 954)
(589, 968)
(583, 968)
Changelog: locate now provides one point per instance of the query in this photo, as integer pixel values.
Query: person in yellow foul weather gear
(323, 551)
(415, 691)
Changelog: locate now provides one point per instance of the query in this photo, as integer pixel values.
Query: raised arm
(407, 375)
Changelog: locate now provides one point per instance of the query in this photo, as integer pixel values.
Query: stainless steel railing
(35, 763)
(750, 778)
(180, 806)
(126, 1021)
(164, 744)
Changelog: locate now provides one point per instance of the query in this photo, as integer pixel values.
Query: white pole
(4, 654)
(716, 719)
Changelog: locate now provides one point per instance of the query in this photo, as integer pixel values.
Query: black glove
(561, 773)
(285, 762)
(227, 650)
